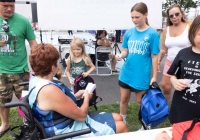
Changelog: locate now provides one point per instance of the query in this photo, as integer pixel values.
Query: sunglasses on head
(176, 15)
(5, 25)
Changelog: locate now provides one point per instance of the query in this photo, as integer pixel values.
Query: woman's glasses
(176, 15)
(5, 25)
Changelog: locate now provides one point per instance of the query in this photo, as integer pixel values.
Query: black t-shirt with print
(186, 103)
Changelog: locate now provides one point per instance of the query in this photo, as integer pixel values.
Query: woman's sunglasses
(176, 15)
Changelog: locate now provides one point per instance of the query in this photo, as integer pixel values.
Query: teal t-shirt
(13, 55)
(136, 70)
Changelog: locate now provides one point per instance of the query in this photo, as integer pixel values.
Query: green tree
(184, 4)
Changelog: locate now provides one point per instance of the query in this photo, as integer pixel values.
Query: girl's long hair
(79, 43)
(183, 19)
(141, 8)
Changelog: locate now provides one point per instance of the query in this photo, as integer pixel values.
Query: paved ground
(108, 89)
(107, 86)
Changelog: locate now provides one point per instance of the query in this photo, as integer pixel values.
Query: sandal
(114, 71)
(4, 132)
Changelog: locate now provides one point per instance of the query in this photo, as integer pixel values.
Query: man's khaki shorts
(9, 84)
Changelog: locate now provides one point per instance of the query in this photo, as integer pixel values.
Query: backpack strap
(94, 103)
(75, 80)
(155, 85)
(16, 136)
(196, 120)
(140, 119)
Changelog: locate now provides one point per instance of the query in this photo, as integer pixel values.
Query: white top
(175, 44)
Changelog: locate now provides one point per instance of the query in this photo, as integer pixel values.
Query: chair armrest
(104, 49)
(27, 112)
(23, 83)
(69, 135)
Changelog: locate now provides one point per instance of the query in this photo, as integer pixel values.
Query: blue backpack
(154, 108)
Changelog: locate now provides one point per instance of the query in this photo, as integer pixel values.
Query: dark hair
(183, 19)
(42, 58)
(99, 32)
(194, 28)
(141, 8)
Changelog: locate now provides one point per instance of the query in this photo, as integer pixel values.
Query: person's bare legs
(138, 96)
(117, 117)
(4, 115)
(112, 62)
(166, 86)
(120, 125)
(125, 97)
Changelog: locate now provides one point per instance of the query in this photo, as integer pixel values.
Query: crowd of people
(140, 47)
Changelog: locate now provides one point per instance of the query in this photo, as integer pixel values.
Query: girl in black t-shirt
(185, 71)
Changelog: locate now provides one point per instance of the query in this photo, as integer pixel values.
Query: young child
(59, 74)
(185, 71)
(77, 61)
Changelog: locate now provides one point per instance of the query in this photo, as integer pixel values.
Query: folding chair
(102, 55)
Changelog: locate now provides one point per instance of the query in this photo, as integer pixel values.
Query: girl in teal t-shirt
(140, 48)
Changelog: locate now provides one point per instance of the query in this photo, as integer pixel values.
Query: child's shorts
(126, 86)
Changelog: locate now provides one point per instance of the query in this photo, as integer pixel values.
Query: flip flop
(114, 71)
(3, 132)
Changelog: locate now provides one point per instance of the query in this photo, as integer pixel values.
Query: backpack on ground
(154, 108)
(80, 84)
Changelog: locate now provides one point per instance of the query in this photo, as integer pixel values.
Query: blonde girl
(77, 61)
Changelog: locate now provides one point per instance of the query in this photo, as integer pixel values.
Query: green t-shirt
(13, 54)
(77, 68)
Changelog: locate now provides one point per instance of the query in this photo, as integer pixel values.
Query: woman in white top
(175, 38)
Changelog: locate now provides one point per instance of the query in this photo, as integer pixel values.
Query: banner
(93, 14)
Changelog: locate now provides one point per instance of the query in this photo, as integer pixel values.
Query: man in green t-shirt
(14, 30)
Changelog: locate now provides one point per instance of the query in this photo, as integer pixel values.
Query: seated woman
(103, 41)
(54, 106)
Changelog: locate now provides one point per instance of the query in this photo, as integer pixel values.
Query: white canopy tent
(23, 7)
(93, 14)
(24, 1)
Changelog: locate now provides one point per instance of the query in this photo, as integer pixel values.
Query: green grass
(133, 123)
(132, 117)
(14, 120)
